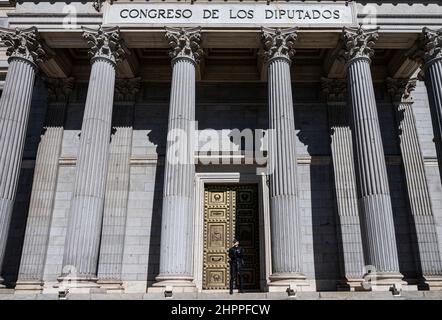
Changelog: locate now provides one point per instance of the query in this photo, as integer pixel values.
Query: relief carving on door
(230, 211)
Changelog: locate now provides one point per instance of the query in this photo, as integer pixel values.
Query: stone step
(405, 295)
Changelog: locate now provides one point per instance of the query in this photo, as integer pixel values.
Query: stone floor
(409, 295)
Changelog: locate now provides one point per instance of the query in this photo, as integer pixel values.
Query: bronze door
(230, 211)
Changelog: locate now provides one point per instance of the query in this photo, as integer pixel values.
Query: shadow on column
(414, 247)
(311, 121)
(403, 222)
(153, 267)
(155, 103)
(17, 227)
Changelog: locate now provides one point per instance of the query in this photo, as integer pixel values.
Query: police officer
(236, 255)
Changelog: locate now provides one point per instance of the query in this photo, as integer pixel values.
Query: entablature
(60, 26)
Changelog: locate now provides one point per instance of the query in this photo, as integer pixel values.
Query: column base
(384, 281)
(289, 282)
(351, 284)
(79, 285)
(172, 284)
(434, 283)
(29, 286)
(111, 286)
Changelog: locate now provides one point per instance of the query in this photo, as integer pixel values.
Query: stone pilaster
(176, 255)
(117, 186)
(85, 218)
(374, 194)
(25, 51)
(429, 54)
(417, 185)
(335, 91)
(30, 277)
(282, 165)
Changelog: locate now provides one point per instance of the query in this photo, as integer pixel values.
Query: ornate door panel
(230, 211)
(247, 231)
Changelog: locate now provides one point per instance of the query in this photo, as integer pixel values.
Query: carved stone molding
(23, 43)
(358, 43)
(400, 89)
(98, 4)
(127, 89)
(185, 43)
(105, 43)
(279, 43)
(59, 89)
(335, 90)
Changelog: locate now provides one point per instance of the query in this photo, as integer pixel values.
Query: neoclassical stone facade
(137, 139)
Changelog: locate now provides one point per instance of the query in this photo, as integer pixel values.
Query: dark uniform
(236, 255)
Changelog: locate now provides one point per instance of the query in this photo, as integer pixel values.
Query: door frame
(203, 178)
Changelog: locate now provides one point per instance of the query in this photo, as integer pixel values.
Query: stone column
(417, 185)
(176, 255)
(345, 182)
(430, 55)
(282, 162)
(85, 218)
(30, 277)
(24, 51)
(374, 194)
(117, 186)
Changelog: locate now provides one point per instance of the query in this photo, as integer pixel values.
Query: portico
(307, 104)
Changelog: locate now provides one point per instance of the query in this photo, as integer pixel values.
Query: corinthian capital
(59, 89)
(127, 89)
(358, 42)
(335, 90)
(185, 43)
(23, 43)
(279, 43)
(97, 4)
(400, 89)
(105, 43)
(430, 46)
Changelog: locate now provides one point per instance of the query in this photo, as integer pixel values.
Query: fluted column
(429, 53)
(24, 51)
(282, 165)
(84, 225)
(35, 244)
(117, 186)
(345, 181)
(176, 256)
(374, 194)
(417, 185)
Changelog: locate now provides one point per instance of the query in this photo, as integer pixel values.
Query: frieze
(200, 14)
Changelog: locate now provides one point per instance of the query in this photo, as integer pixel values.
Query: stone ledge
(410, 295)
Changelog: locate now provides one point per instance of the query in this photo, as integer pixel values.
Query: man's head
(235, 242)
